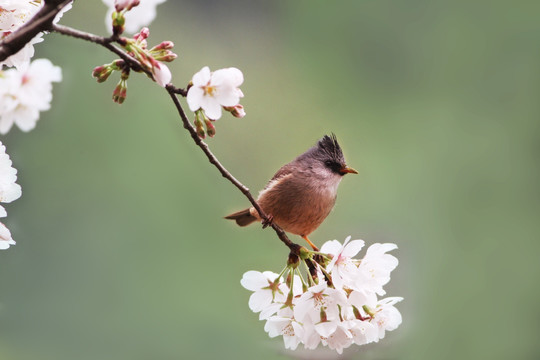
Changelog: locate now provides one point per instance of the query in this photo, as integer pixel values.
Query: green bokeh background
(122, 252)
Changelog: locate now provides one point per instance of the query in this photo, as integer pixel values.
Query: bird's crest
(330, 145)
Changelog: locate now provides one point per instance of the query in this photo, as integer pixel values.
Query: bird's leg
(315, 248)
(268, 221)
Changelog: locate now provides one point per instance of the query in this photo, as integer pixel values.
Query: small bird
(303, 192)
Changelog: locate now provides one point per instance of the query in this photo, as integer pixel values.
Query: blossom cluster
(14, 14)
(25, 93)
(151, 60)
(337, 306)
(25, 87)
(9, 191)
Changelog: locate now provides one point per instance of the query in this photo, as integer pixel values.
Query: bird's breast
(299, 205)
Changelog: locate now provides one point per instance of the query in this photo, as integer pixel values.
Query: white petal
(332, 247)
(194, 98)
(269, 310)
(211, 108)
(361, 298)
(254, 280)
(228, 77)
(5, 237)
(162, 74)
(259, 300)
(352, 248)
(202, 77)
(227, 96)
(325, 329)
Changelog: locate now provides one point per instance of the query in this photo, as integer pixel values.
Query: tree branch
(105, 42)
(42, 21)
(295, 248)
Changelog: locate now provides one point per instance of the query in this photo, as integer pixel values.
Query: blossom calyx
(118, 22)
(293, 261)
(304, 253)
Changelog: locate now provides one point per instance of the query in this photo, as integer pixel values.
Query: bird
(302, 193)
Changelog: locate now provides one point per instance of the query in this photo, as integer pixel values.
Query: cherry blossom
(376, 266)
(25, 93)
(337, 306)
(9, 191)
(266, 290)
(341, 267)
(213, 90)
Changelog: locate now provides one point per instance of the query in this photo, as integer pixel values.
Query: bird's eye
(328, 163)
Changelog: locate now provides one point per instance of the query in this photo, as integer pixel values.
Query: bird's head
(328, 153)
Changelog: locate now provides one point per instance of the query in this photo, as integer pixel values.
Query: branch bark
(42, 21)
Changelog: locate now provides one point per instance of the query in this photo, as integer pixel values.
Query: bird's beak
(347, 170)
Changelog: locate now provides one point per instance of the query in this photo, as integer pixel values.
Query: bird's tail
(242, 218)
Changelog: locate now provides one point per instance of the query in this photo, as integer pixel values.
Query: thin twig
(106, 42)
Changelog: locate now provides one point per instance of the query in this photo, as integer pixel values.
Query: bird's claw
(268, 221)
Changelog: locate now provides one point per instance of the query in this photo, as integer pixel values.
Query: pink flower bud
(101, 73)
(120, 5)
(120, 92)
(142, 35)
(236, 110)
(165, 45)
(210, 128)
(199, 127)
(165, 56)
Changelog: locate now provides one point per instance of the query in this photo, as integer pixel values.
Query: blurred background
(122, 252)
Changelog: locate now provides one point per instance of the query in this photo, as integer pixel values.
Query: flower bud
(101, 73)
(164, 55)
(120, 92)
(142, 35)
(164, 45)
(236, 110)
(199, 127)
(127, 5)
(210, 128)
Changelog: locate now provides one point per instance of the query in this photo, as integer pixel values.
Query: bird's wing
(283, 171)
